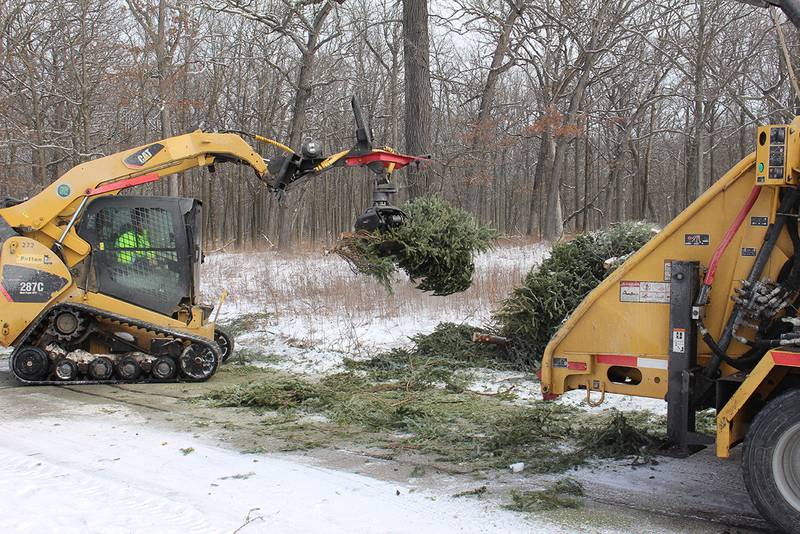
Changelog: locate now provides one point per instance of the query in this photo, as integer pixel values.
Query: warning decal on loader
(644, 292)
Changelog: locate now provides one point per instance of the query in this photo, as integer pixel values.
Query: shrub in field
(550, 292)
(435, 247)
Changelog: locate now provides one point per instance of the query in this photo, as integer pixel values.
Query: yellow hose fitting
(273, 143)
(330, 160)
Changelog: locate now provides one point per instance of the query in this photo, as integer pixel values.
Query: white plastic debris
(517, 467)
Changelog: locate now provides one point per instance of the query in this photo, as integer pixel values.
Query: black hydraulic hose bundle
(786, 212)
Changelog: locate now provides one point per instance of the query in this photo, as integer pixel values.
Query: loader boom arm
(111, 174)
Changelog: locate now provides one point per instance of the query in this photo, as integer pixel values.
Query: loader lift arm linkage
(65, 199)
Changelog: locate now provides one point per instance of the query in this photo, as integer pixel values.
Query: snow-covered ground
(315, 297)
(94, 475)
(85, 461)
(317, 312)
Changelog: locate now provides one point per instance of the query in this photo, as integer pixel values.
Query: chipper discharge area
(705, 316)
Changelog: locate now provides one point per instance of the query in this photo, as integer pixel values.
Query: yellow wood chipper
(704, 316)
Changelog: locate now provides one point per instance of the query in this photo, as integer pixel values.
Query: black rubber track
(221, 336)
(40, 324)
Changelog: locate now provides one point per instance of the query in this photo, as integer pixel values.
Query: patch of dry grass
(312, 283)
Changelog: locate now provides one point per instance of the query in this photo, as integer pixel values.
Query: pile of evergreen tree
(435, 247)
(533, 312)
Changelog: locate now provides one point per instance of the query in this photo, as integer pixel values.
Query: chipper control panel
(777, 155)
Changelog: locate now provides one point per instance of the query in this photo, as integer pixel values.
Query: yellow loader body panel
(31, 277)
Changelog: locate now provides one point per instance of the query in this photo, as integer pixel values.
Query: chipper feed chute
(705, 315)
(618, 339)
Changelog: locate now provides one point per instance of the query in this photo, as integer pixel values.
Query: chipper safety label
(644, 292)
(679, 340)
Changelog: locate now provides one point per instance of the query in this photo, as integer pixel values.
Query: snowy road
(141, 459)
(91, 476)
(135, 460)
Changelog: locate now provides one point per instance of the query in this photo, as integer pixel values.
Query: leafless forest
(543, 116)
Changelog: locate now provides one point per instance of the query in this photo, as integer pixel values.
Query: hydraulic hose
(330, 161)
(728, 237)
(715, 349)
(702, 298)
(274, 143)
(788, 202)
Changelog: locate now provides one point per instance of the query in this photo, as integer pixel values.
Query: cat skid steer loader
(100, 288)
(705, 315)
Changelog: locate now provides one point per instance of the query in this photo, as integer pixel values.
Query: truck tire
(771, 462)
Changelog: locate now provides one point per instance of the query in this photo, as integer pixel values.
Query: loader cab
(145, 250)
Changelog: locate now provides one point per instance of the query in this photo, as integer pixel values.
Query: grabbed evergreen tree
(435, 247)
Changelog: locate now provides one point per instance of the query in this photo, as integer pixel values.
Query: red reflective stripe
(791, 359)
(576, 366)
(5, 293)
(617, 359)
(123, 184)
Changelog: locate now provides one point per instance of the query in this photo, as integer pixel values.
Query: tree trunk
(418, 97)
(696, 175)
(290, 206)
(163, 85)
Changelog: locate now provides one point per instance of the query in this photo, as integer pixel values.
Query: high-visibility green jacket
(134, 240)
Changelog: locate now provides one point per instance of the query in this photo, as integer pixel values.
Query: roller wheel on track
(771, 462)
(225, 342)
(164, 368)
(66, 370)
(128, 369)
(198, 362)
(30, 363)
(101, 368)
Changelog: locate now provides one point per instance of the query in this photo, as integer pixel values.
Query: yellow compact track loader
(99, 288)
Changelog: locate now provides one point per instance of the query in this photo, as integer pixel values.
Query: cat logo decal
(138, 159)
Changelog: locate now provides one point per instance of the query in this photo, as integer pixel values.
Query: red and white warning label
(636, 291)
